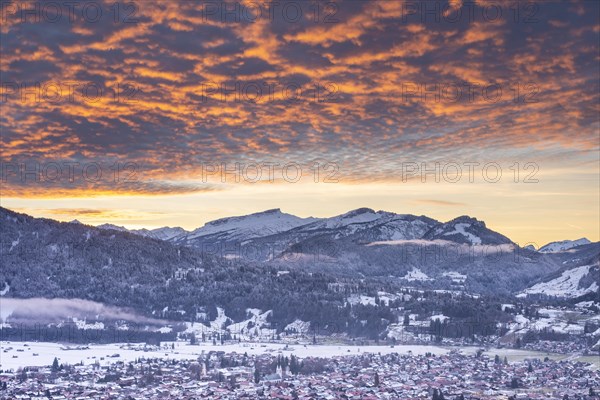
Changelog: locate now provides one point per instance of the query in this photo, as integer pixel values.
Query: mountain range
(361, 224)
(276, 261)
(164, 233)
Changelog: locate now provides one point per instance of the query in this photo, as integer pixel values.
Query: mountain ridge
(163, 233)
(563, 245)
(364, 223)
(377, 245)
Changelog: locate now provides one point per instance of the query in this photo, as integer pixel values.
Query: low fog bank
(46, 311)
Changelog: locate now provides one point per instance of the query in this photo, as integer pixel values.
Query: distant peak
(465, 219)
(582, 240)
(563, 245)
(271, 211)
(112, 226)
(359, 211)
(75, 221)
(220, 221)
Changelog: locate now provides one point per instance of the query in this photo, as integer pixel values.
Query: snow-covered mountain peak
(555, 247)
(164, 233)
(357, 212)
(262, 223)
(113, 227)
(271, 214)
(466, 230)
(366, 225)
(271, 211)
(465, 219)
(360, 215)
(75, 221)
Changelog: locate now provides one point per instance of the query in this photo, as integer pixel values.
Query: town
(235, 375)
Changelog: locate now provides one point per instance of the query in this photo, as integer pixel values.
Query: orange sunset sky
(148, 114)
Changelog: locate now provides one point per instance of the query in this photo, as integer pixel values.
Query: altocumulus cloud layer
(169, 85)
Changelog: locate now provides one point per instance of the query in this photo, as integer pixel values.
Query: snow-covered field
(554, 319)
(370, 300)
(129, 352)
(42, 353)
(567, 285)
(455, 276)
(416, 275)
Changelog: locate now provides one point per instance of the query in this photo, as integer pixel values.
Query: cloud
(80, 212)
(180, 87)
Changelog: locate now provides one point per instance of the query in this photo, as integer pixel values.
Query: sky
(146, 114)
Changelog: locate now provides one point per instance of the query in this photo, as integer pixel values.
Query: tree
(530, 368)
(497, 359)
(55, 366)
(294, 365)
(406, 320)
(193, 340)
(376, 379)
(256, 375)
